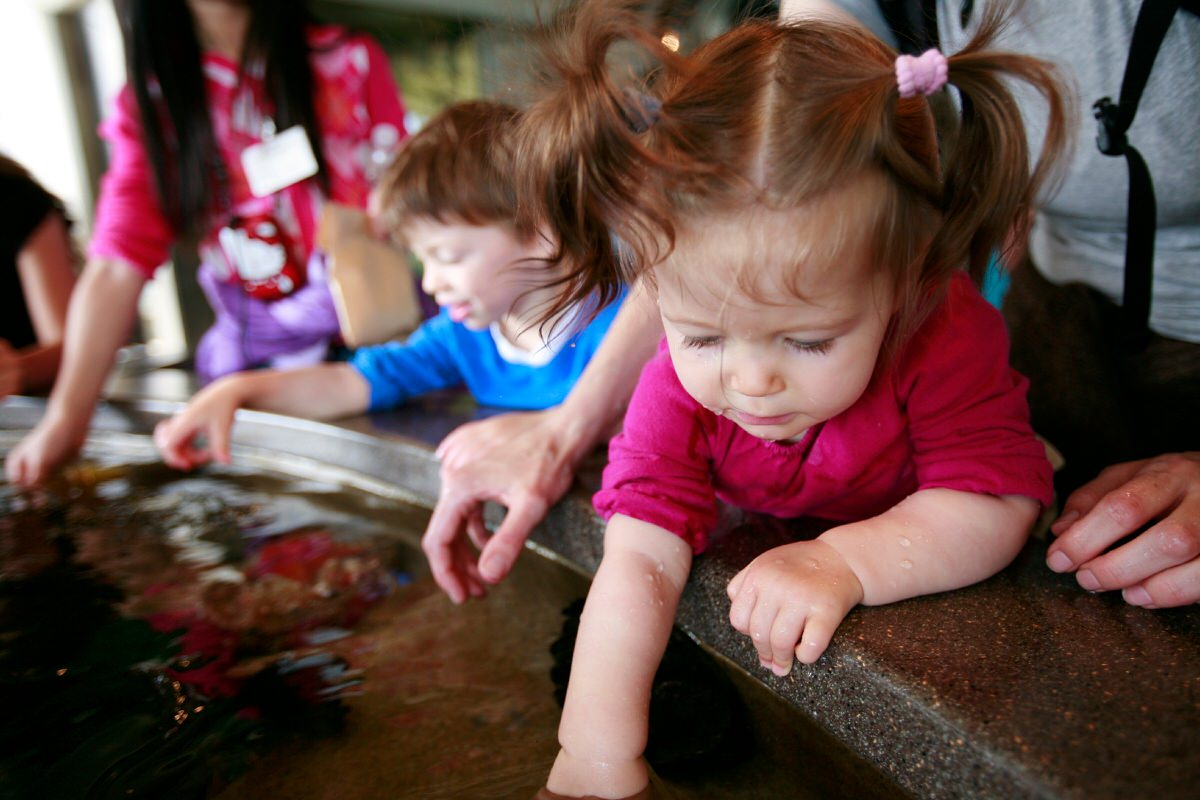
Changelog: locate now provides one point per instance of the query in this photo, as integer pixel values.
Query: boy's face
(478, 273)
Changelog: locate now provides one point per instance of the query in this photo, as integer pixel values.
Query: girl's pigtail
(989, 188)
(589, 179)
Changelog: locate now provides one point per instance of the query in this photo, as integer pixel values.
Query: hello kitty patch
(259, 257)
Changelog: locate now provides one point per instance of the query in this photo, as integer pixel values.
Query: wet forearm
(933, 541)
(626, 623)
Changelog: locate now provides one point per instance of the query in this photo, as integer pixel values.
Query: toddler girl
(825, 354)
(449, 196)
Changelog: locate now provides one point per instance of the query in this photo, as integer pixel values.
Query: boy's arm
(624, 630)
(324, 391)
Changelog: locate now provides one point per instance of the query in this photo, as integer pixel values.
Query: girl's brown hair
(777, 115)
(460, 167)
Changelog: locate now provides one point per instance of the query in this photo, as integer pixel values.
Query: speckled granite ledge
(1023, 686)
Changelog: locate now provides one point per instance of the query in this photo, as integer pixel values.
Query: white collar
(560, 332)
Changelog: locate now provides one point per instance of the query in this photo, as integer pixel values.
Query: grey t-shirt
(1080, 234)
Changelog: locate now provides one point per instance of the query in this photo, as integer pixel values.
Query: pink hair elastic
(923, 74)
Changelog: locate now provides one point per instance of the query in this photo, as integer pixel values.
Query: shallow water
(256, 634)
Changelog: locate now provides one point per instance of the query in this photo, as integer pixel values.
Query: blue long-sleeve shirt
(442, 354)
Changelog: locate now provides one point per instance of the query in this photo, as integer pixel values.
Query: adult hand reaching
(1158, 568)
(521, 461)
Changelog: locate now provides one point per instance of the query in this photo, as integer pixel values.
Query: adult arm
(99, 317)
(526, 461)
(324, 391)
(622, 635)
(1160, 567)
(45, 266)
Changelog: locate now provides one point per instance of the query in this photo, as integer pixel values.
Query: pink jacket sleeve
(968, 417)
(129, 224)
(659, 465)
(384, 102)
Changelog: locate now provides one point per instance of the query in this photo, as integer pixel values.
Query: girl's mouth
(743, 418)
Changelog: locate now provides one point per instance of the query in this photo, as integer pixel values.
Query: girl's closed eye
(701, 341)
(820, 347)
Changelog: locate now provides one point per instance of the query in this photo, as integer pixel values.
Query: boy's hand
(790, 600)
(208, 414)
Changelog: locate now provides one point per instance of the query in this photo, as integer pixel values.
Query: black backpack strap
(1154, 18)
(912, 22)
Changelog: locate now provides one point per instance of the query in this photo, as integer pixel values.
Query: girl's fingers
(735, 583)
(785, 633)
(741, 608)
(762, 621)
(818, 631)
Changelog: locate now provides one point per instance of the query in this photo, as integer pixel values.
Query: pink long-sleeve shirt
(354, 91)
(947, 412)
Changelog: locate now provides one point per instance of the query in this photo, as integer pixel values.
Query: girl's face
(752, 350)
(479, 273)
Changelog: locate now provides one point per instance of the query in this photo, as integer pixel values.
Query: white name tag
(278, 162)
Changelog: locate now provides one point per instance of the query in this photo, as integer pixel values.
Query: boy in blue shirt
(450, 197)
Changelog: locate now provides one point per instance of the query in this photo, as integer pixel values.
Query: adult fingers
(464, 568)
(1119, 512)
(477, 530)
(1086, 497)
(501, 552)
(445, 526)
(1168, 543)
(1178, 586)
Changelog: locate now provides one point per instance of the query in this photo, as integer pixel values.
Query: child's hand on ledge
(791, 599)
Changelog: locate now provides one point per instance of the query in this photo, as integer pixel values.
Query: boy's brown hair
(459, 167)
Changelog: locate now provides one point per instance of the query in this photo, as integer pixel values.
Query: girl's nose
(754, 377)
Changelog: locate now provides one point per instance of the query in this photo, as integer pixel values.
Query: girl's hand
(791, 599)
(51, 443)
(1160, 567)
(208, 414)
(573, 777)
